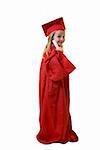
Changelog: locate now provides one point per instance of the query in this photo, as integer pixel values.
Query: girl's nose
(61, 40)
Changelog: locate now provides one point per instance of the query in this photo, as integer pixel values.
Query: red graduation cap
(57, 24)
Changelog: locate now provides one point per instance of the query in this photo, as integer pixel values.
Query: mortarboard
(57, 24)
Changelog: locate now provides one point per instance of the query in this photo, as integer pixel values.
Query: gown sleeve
(58, 66)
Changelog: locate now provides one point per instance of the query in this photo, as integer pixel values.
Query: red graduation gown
(54, 99)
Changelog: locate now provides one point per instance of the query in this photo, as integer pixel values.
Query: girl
(54, 96)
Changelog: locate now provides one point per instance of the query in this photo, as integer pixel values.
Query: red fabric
(54, 28)
(54, 99)
(57, 24)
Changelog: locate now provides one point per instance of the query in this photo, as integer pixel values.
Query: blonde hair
(48, 45)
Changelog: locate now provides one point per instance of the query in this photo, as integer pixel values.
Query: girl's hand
(58, 48)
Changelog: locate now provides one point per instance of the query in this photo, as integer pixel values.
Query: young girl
(54, 96)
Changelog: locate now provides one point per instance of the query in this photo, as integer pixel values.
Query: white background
(21, 45)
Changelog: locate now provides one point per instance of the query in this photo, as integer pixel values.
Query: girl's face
(59, 37)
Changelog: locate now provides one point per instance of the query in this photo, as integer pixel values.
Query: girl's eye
(59, 36)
